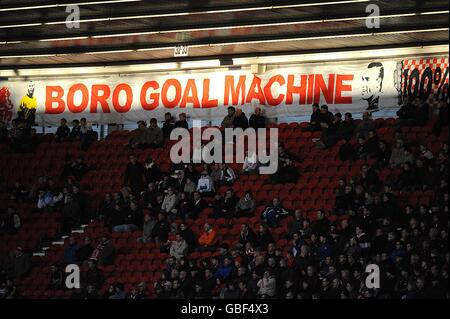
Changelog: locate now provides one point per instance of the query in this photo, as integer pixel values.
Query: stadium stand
(145, 269)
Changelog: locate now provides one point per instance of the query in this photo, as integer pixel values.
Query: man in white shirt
(205, 183)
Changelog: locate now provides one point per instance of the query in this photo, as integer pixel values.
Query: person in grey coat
(147, 229)
(178, 247)
(154, 136)
(245, 206)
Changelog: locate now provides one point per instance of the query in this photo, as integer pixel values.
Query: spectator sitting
(178, 247)
(273, 213)
(362, 149)
(138, 138)
(147, 229)
(21, 263)
(425, 153)
(326, 118)
(314, 124)
(168, 125)
(330, 135)
(154, 136)
(205, 184)
(383, 154)
(87, 134)
(208, 239)
(297, 224)
(93, 276)
(182, 122)
(347, 151)
(442, 119)
(21, 138)
(131, 219)
(188, 236)
(229, 205)
(198, 204)
(55, 277)
(85, 251)
(70, 253)
(422, 113)
(406, 111)
(229, 118)
(170, 202)
(250, 165)
(347, 128)
(189, 187)
(63, 131)
(267, 286)
(104, 253)
(75, 134)
(287, 172)
(225, 270)
(71, 213)
(227, 175)
(245, 207)
(79, 168)
(10, 223)
(134, 175)
(406, 179)
(263, 237)
(119, 292)
(257, 120)
(247, 235)
(365, 126)
(217, 206)
(161, 230)
(106, 207)
(240, 120)
(400, 155)
(372, 144)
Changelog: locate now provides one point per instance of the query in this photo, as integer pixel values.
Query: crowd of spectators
(323, 259)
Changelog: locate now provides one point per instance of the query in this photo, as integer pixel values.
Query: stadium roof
(34, 33)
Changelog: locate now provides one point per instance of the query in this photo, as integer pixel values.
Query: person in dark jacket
(257, 120)
(63, 130)
(71, 213)
(161, 230)
(105, 252)
(85, 251)
(273, 213)
(247, 235)
(240, 120)
(347, 151)
(182, 122)
(422, 113)
(134, 175)
(263, 237)
(314, 124)
(70, 253)
(93, 276)
(168, 125)
(326, 118)
(75, 134)
(443, 118)
(188, 236)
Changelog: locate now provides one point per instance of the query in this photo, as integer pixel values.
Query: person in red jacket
(208, 239)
